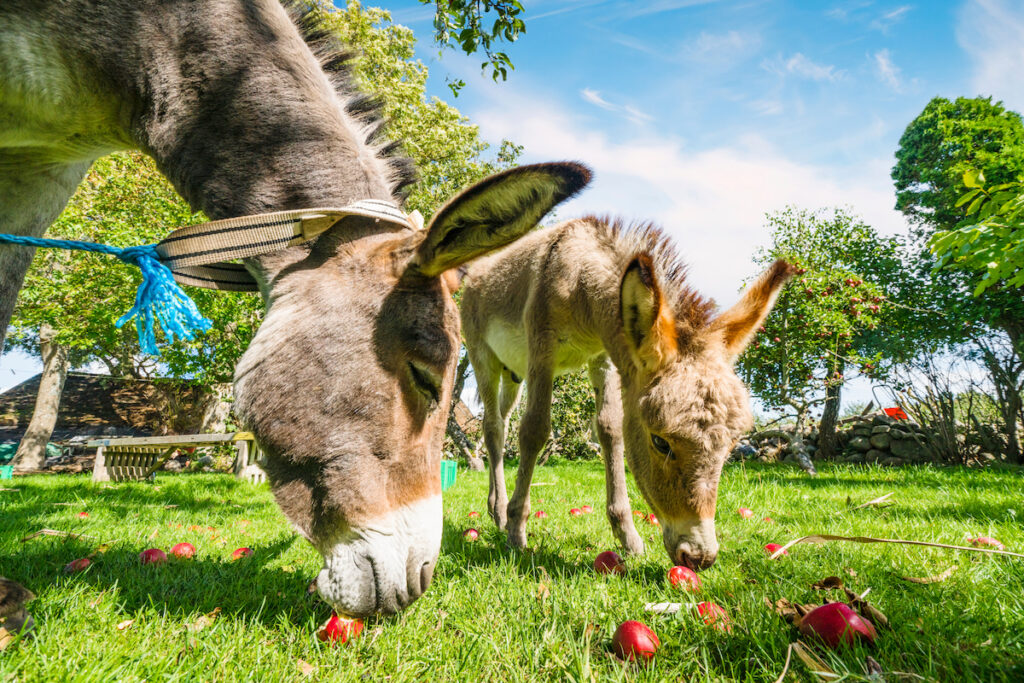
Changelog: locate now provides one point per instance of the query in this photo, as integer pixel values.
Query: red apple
(634, 640)
(83, 514)
(745, 513)
(540, 514)
(651, 519)
(474, 514)
(987, 541)
(471, 534)
(184, 550)
(773, 547)
(77, 565)
(575, 512)
(684, 578)
(768, 519)
(240, 553)
(714, 616)
(587, 509)
(609, 562)
(837, 624)
(152, 556)
(339, 628)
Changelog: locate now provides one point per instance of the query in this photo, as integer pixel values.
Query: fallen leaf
(866, 609)
(268, 643)
(851, 571)
(97, 599)
(543, 593)
(125, 624)
(872, 667)
(876, 501)
(305, 668)
(931, 579)
(155, 532)
(828, 583)
(51, 532)
(204, 621)
(6, 638)
(812, 662)
(441, 616)
(790, 611)
(288, 568)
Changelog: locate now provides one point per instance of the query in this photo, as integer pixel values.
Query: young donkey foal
(613, 299)
(345, 385)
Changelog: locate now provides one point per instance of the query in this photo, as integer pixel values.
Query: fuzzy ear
(738, 324)
(647, 319)
(493, 213)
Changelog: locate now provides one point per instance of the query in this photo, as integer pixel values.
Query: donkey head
(348, 382)
(683, 404)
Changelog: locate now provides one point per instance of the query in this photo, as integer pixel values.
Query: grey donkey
(246, 109)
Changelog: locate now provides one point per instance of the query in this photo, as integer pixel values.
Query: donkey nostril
(426, 575)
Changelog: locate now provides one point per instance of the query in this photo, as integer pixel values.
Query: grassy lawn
(495, 615)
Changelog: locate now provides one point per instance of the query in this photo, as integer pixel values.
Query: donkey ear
(493, 213)
(738, 324)
(646, 318)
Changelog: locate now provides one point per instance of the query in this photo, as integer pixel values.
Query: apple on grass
(474, 514)
(635, 640)
(609, 562)
(587, 509)
(340, 629)
(837, 624)
(471, 534)
(83, 515)
(745, 513)
(714, 616)
(152, 556)
(575, 512)
(240, 553)
(540, 514)
(77, 565)
(772, 548)
(653, 520)
(986, 542)
(683, 578)
(184, 551)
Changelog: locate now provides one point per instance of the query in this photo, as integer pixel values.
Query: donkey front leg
(608, 420)
(534, 430)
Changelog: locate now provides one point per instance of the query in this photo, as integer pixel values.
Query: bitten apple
(340, 629)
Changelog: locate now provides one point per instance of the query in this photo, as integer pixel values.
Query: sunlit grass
(492, 614)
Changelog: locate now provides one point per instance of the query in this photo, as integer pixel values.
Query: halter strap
(200, 255)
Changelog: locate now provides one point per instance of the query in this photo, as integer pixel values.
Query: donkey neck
(239, 115)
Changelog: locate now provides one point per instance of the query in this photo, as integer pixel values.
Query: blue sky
(704, 115)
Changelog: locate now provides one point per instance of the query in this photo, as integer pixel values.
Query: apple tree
(829, 321)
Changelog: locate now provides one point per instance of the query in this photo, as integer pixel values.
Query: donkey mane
(337, 61)
(692, 310)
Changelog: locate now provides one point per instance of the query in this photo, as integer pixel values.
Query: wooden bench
(136, 458)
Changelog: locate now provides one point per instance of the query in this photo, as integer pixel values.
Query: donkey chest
(570, 352)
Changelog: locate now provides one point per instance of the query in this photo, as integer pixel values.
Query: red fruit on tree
(184, 550)
(684, 578)
(837, 624)
(634, 640)
(609, 562)
(152, 556)
(471, 534)
(77, 565)
(714, 616)
(240, 553)
(340, 629)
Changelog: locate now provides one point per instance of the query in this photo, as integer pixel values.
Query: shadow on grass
(246, 588)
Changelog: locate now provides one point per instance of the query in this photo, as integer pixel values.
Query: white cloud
(628, 111)
(888, 72)
(990, 32)
(887, 20)
(712, 200)
(721, 48)
(800, 65)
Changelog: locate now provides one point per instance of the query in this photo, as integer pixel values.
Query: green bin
(7, 472)
(449, 471)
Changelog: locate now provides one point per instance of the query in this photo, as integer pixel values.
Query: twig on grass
(822, 538)
(52, 532)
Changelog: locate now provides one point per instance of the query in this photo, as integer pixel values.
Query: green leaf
(973, 177)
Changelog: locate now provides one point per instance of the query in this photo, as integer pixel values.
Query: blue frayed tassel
(159, 298)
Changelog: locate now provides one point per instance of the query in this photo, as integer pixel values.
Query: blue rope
(159, 299)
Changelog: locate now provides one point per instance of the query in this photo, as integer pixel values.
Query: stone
(909, 449)
(861, 431)
(860, 443)
(986, 457)
(875, 455)
(892, 462)
(881, 429)
(897, 434)
(204, 461)
(880, 441)
(882, 419)
(855, 458)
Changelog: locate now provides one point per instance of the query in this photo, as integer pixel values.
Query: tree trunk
(453, 429)
(31, 453)
(828, 440)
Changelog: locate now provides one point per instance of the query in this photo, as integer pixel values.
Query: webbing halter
(202, 255)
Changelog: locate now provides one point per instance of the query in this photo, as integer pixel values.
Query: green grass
(486, 616)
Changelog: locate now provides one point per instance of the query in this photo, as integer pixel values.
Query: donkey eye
(661, 445)
(425, 383)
